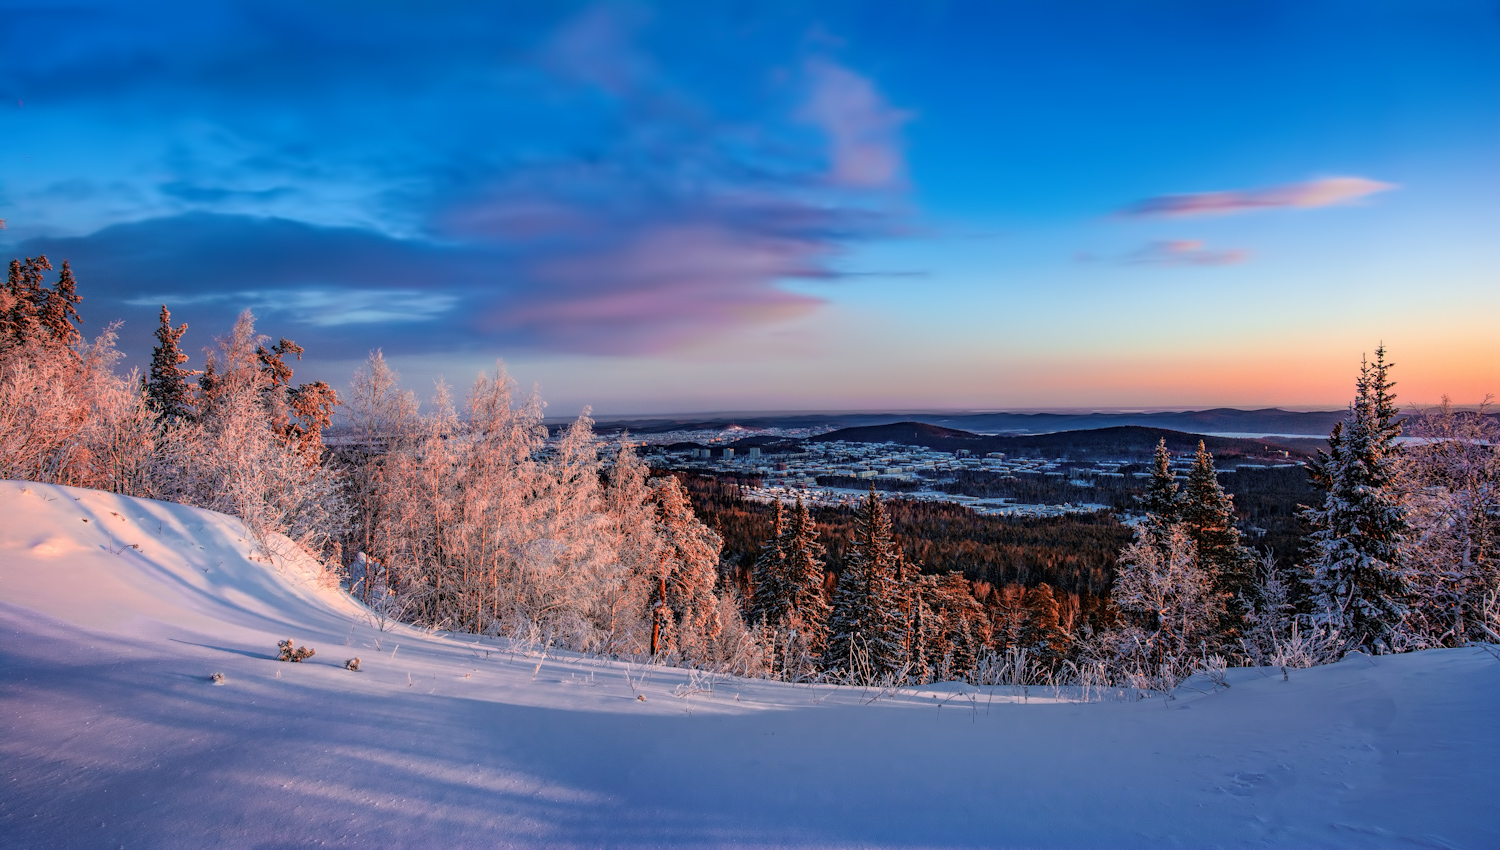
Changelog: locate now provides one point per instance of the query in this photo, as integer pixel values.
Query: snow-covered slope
(114, 612)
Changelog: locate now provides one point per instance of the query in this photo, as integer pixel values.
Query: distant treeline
(1074, 554)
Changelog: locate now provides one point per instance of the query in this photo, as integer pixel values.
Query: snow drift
(114, 612)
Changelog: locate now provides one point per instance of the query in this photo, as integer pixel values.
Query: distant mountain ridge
(1221, 420)
(1123, 442)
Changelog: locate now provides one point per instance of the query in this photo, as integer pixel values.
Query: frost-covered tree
(167, 390)
(298, 415)
(481, 522)
(683, 605)
(1450, 481)
(571, 539)
(231, 369)
(1172, 608)
(1275, 634)
(230, 458)
(1207, 516)
(631, 509)
(383, 422)
(456, 514)
(867, 627)
(1354, 568)
(312, 407)
(67, 417)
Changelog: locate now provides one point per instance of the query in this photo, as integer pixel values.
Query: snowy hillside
(115, 611)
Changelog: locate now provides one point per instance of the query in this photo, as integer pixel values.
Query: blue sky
(713, 206)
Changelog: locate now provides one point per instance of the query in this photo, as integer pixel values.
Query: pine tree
(803, 576)
(958, 625)
(273, 362)
(1355, 572)
(25, 295)
(275, 378)
(1161, 501)
(1043, 633)
(867, 628)
(35, 314)
(59, 309)
(210, 386)
(769, 573)
(1207, 514)
(922, 642)
(312, 411)
(167, 390)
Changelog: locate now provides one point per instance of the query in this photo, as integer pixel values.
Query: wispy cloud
(863, 130)
(1323, 192)
(604, 287)
(1184, 252)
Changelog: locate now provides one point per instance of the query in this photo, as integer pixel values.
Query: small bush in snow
(1216, 669)
(352, 664)
(301, 653)
(217, 678)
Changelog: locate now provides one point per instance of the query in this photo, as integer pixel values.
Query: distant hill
(1216, 421)
(1124, 443)
(905, 433)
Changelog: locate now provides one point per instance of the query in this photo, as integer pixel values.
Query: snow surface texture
(113, 735)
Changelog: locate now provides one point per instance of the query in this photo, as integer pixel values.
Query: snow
(111, 734)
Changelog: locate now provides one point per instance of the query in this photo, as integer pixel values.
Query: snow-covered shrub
(739, 649)
(301, 653)
(352, 664)
(1215, 668)
(1017, 666)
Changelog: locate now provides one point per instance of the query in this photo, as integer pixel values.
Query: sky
(678, 207)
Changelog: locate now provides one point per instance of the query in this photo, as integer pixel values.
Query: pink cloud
(669, 284)
(1324, 192)
(1185, 252)
(863, 130)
